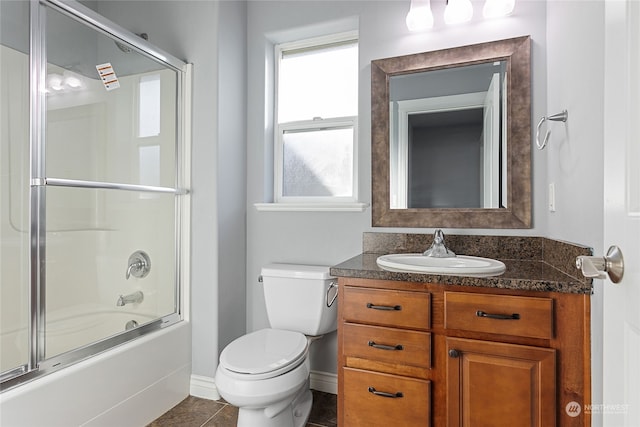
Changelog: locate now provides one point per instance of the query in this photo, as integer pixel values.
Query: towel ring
(560, 117)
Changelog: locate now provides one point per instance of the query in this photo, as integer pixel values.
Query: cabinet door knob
(454, 353)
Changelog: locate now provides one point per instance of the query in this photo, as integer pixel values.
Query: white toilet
(266, 373)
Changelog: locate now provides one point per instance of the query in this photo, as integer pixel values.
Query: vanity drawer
(387, 345)
(387, 307)
(499, 314)
(375, 399)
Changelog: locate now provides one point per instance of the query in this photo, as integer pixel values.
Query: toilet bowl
(266, 373)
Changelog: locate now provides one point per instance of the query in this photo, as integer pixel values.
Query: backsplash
(557, 254)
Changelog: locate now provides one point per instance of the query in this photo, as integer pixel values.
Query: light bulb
(54, 82)
(458, 11)
(498, 8)
(419, 17)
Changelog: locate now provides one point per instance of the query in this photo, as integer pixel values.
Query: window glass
(318, 82)
(318, 163)
(149, 107)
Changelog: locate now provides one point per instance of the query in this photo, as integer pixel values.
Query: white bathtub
(80, 327)
(129, 385)
(69, 329)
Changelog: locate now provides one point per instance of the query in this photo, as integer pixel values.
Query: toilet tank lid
(297, 271)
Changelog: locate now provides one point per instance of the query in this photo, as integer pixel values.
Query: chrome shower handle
(139, 265)
(134, 266)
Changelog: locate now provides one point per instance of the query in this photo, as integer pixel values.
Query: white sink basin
(460, 265)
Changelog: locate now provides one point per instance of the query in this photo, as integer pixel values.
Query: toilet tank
(296, 298)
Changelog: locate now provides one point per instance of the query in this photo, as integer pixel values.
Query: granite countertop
(530, 275)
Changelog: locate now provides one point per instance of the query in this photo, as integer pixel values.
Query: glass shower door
(109, 176)
(14, 188)
(92, 186)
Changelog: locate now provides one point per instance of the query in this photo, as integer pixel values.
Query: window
(149, 106)
(316, 120)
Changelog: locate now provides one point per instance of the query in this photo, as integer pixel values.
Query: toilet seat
(264, 354)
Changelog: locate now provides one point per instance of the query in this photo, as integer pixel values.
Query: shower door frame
(38, 365)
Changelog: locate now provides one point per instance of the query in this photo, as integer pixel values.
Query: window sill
(311, 207)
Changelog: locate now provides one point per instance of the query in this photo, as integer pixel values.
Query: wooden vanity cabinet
(416, 354)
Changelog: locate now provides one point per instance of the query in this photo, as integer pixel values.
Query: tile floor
(195, 412)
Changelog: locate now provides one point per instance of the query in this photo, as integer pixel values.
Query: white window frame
(314, 125)
(282, 202)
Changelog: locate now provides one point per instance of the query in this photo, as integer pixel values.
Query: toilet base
(296, 414)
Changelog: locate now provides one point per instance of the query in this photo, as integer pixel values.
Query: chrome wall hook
(560, 117)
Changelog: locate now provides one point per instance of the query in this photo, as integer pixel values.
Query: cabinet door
(495, 384)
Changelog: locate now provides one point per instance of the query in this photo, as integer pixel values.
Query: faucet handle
(138, 265)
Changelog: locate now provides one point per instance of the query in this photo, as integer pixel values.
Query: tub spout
(134, 298)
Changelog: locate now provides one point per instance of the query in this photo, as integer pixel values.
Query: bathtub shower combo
(92, 187)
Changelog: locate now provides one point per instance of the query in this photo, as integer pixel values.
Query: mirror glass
(451, 137)
(441, 117)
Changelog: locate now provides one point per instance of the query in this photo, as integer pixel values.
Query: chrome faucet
(134, 298)
(438, 248)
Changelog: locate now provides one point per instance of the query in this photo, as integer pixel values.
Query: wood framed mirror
(448, 151)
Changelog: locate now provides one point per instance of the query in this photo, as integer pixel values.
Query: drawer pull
(384, 307)
(385, 346)
(514, 316)
(385, 394)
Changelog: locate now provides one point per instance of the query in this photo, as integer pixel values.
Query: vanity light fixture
(62, 83)
(498, 8)
(458, 11)
(420, 17)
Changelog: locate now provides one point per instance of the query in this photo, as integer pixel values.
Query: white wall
(575, 74)
(231, 170)
(329, 238)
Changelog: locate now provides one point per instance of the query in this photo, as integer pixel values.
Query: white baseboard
(324, 381)
(204, 387)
